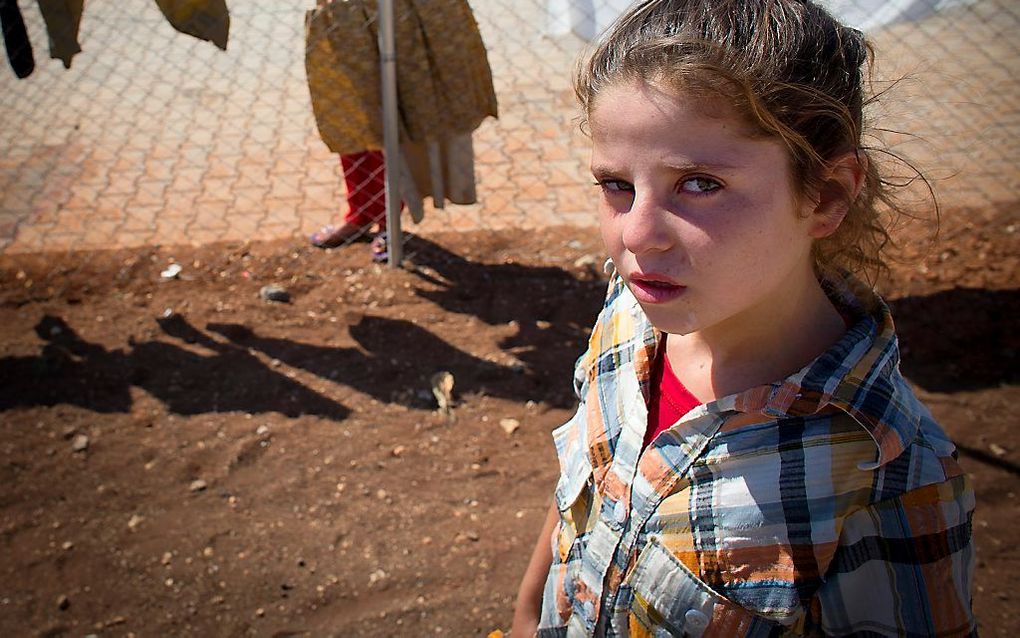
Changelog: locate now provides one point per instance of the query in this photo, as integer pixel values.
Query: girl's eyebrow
(701, 166)
(606, 169)
(603, 170)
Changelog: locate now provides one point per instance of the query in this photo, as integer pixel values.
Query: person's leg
(365, 178)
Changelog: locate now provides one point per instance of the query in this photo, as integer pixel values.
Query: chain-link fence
(153, 136)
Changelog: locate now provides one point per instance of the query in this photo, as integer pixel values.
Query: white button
(695, 623)
(589, 608)
(620, 512)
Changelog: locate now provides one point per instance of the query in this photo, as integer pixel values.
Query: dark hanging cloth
(19, 49)
(205, 19)
(63, 20)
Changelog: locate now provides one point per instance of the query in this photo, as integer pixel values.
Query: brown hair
(789, 67)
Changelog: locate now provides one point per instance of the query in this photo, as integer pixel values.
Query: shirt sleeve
(903, 567)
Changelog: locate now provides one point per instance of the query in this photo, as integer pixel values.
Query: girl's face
(700, 218)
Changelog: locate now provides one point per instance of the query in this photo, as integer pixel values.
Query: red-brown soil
(336, 499)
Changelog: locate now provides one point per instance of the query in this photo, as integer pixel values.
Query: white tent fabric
(588, 18)
(870, 15)
(584, 18)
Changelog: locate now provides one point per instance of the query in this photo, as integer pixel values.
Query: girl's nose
(646, 227)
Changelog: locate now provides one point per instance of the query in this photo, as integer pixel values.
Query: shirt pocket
(670, 600)
(574, 497)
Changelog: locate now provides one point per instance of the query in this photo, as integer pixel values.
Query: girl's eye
(699, 185)
(615, 186)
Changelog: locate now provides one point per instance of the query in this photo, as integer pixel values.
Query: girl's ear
(843, 182)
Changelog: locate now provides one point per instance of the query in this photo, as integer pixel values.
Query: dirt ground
(280, 469)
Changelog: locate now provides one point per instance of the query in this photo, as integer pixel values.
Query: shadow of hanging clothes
(205, 19)
(19, 49)
(395, 361)
(226, 379)
(551, 307)
(73, 371)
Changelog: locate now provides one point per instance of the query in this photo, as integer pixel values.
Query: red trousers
(365, 178)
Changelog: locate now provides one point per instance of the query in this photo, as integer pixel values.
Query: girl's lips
(654, 290)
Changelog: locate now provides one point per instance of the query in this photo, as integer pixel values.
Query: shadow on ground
(70, 370)
(959, 339)
(220, 367)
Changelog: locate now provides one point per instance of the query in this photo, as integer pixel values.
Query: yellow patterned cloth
(443, 76)
(342, 65)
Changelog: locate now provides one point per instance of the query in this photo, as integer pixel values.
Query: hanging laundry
(443, 76)
(342, 67)
(205, 19)
(19, 49)
(63, 20)
(444, 86)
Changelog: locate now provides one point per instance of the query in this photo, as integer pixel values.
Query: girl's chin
(671, 320)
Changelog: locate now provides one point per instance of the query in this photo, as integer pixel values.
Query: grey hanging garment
(63, 19)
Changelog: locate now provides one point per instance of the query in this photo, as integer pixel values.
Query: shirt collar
(859, 374)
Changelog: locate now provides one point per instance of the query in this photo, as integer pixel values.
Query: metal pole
(391, 132)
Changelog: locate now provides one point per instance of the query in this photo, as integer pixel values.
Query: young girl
(746, 459)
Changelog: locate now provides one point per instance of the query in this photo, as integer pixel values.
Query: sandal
(333, 237)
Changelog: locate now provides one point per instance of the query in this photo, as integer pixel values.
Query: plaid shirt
(828, 503)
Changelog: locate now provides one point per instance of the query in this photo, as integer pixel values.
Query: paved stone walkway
(155, 137)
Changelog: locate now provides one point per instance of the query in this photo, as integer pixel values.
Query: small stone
(135, 521)
(509, 425)
(376, 576)
(63, 602)
(381, 495)
(67, 545)
(171, 272)
(197, 485)
(272, 292)
(167, 557)
(542, 324)
(207, 552)
(398, 451)
(260, 612)
(80, 443)
(998, 450)
(262, 429)
(466, 536)
(586, 260)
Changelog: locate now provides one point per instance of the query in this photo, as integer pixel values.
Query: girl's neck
(761, 346)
